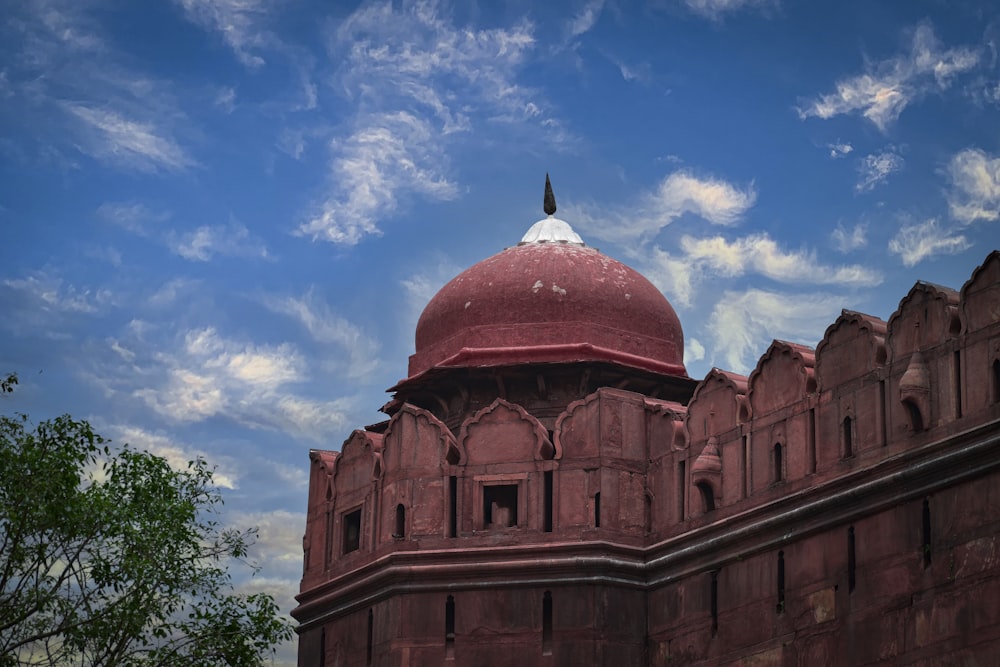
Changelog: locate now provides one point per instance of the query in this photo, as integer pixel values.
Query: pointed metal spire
(550, 199)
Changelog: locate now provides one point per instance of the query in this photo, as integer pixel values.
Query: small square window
(500, 505)
(352, 531)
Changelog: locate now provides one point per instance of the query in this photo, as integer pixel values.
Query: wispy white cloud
(918, 241)
(239, 22)
(846, 240)
(50, 293)
(716, 9)
(233, 240)
(584, 19)
(680, 193)
(975, 186)
(874, 169)
(128, 143)
(693, 350)
(325, 326)
(225, 99)
(226, 470)
(887, 87)
(72, 92)
(840, 149)
(419, 82)
(132, 216)
(743, 323)
(394, 154)
(210, 375)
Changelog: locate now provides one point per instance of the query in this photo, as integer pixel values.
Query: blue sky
(221, 218)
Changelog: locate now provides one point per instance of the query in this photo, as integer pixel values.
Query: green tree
(108, 556)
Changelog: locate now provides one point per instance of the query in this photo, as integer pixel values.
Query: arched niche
(504, 432)
(851, 347)
(784, 376)
(415, 441)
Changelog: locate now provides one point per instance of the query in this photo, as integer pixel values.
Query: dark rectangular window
(714, 601)
(781, 582)
(597, 510)
(926, 521)
(548, 501)
(958, 383)
(745, 476)
(681, 489)
(352, 531)
(851, 562)
(500, 505)
(371, 637)
(328, 546)
(453, 506)
(449, 628)
(848, 437)
(881, 413)
(811, 435)
(547, 623)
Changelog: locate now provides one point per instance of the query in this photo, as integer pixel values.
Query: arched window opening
(547, 623)
(449, 628)
(916, 419)
(779, 464)
(597, 510)
(400, 529)
(707, 495)
(352, 531)
(848, 437)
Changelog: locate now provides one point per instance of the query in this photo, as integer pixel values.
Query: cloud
(237, 21)
(233, 240)
(394, 153)
(693, 350)
(585, 19)
(743, 324)
(69, 91)
(226, 99)
(975, 186)
(226, 470)
(131, 216)
(716, 257)
(918, 241)
(48, 292)
(213, 376)
(886, 88)
(128, 143)
(846, 240)
(716, 9)
(680, 193)
(839, 150)
(327, 327)
(874, 169)
(419, 84)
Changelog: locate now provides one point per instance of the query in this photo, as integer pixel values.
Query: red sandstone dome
(549, 299)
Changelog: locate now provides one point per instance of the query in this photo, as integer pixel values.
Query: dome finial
(550, 199)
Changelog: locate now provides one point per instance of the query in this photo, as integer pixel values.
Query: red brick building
(552, 489)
